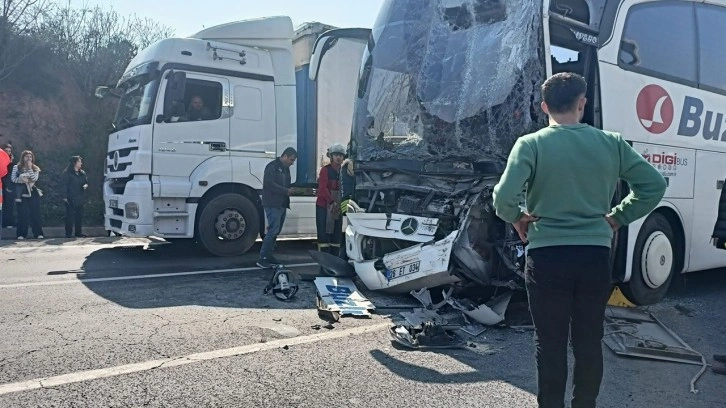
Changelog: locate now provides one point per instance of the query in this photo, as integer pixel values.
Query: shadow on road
(495, 367)
(127, 277)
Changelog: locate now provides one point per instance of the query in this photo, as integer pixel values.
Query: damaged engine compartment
(443, 228)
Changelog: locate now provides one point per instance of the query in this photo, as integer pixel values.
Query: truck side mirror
(174, 95)
(102, 92)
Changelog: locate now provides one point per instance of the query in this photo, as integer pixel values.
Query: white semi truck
(200, 117)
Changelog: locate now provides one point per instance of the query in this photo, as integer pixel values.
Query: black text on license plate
(113, 203)
(404, 270)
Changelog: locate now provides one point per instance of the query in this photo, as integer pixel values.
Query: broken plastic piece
(488, 315)
(418, 317)
(423, 295)
(431, 336)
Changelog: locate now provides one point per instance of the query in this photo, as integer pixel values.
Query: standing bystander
(276, 193)
(571, 170)
(8, 190)
(76, 183)
(4, 162)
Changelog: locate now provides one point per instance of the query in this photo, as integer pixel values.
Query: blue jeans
(275, 220)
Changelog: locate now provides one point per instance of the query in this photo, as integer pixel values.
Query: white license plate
(113, 203)
(404, 270)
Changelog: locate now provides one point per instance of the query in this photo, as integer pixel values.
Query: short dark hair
(289, 152)
(561, 91)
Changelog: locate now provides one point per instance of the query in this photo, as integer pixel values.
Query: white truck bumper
(416, 267)
(129, 213)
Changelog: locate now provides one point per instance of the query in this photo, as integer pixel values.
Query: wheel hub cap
(657, 260)
(230, 224)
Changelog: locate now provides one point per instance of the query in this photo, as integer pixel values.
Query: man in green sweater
(570, 171)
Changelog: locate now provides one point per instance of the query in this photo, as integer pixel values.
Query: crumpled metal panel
(450, 80)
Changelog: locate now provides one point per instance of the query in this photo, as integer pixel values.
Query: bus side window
(712, 32)
(651, 47)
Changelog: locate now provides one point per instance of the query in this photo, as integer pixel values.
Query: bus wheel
(228, 225)
(653, 262)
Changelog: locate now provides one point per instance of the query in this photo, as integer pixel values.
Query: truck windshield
(449, 80)
(137, 103)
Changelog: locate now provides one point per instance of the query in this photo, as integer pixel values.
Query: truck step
(170, 214)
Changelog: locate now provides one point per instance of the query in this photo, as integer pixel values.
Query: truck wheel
(654, 262)
(228, 225)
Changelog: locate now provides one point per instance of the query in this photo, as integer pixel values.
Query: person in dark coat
(76, 183)
(276, 193)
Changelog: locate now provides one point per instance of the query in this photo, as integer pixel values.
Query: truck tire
(228, 225)
(654, 262)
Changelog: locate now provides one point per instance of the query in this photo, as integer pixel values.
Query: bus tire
(228, 225)
(654, 262)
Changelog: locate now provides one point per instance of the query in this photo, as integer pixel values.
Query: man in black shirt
(276, 193)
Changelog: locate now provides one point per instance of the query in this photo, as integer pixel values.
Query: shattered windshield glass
(449, 80)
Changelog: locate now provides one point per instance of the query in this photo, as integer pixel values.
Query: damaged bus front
(445, 89)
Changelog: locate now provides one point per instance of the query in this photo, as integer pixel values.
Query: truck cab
(199, 118)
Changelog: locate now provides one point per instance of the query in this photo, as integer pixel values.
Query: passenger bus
(447, 87)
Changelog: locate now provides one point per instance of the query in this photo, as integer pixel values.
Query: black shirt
(74, 181)
(275, 184)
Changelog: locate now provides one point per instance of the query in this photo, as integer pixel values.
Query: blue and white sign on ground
(340, 295)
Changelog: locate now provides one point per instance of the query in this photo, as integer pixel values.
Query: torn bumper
(415, 267)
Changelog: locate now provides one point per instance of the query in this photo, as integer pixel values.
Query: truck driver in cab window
(197, 110)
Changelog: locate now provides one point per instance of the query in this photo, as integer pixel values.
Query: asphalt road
(115, 323)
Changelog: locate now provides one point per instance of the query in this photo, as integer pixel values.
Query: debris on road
(490, 315)
(637, 333)
(719, 364)
(685, 311)
(283, 284)
(418, 317)
(339, 296)
(423, 295)
(428, 336)
(473, 329)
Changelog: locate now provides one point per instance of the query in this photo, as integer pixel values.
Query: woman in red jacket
(4, 162)
(327, 211)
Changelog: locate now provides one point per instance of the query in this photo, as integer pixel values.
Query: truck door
(253, 140)
(199, 132)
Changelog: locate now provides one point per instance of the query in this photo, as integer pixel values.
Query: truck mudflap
(415, 267)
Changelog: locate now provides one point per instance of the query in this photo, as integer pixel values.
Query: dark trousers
(8, 218)
(328, 242)
(568, 288)
(74, 217)
(29, 213)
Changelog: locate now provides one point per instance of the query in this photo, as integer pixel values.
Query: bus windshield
(449, 80)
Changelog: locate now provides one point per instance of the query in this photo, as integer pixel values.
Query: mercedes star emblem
(115, 160)
(409, 226)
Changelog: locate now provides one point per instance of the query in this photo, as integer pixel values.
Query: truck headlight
(131, 210)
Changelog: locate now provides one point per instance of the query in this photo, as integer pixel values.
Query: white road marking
(179, 361)
(132, 277)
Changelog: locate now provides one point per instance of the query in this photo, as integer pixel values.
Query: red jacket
(328, 181)
(4, 162)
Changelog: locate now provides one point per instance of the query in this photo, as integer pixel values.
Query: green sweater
(571, 172)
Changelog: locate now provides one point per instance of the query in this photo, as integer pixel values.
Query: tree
(19, 23)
